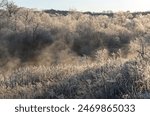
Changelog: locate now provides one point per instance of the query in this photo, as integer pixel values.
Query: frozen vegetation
(77, 55)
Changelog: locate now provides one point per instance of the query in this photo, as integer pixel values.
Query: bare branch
(3, 3)
(11, 8)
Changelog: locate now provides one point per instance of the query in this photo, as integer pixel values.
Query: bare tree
(32, 22)
(2, 12)
(27, 19)
(12, 10)
(143, 50)
(3, 3)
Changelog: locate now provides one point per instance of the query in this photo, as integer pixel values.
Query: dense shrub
(25, 47)
(87, 44)
(117, 42)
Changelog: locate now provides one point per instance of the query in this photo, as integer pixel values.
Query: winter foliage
(78, 55)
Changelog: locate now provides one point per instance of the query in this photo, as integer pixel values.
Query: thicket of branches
(83, 56)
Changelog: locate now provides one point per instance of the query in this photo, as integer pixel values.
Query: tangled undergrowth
(115, 79)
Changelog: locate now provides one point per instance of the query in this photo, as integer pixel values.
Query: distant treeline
(109, 13)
